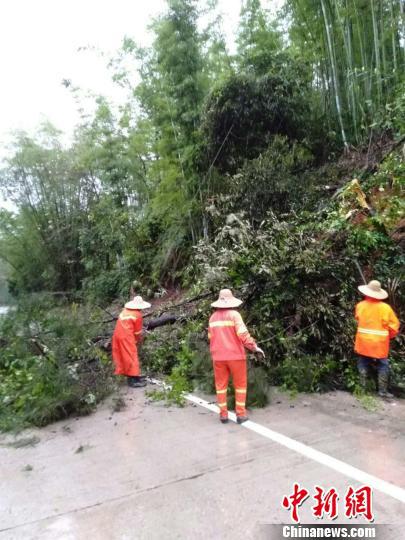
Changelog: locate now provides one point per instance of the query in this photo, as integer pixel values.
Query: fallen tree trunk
(161, 321)
(182, 303)
(105, 341)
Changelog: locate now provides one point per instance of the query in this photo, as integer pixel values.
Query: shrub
(245, 112)
(51, 366)
(299, 279)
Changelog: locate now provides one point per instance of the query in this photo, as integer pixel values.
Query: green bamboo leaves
(357, 50)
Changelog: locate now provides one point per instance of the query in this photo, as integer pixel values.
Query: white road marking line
(331, 462)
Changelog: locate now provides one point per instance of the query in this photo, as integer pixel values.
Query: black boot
(383, 386)
(363, 378)
(136, 382)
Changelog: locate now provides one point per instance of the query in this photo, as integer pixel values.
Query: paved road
(151, 472)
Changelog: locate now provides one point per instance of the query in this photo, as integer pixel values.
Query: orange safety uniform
(126, 335)
(228, 337)
(376, 324)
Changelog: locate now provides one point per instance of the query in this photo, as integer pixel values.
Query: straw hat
(374, 290)
(137, 303)
(226, 300)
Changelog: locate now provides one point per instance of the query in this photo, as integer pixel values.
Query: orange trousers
(222, 370)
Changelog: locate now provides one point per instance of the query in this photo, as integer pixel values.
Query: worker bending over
(228, 337)
(376, 325)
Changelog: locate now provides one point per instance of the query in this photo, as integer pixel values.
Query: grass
(24, 442)
(366, 400)
(118, 404)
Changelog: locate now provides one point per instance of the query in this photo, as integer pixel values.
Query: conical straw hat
(226, 300)
(137, 303)
(373, 290)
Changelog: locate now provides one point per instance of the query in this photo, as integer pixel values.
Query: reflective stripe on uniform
(222, 405)
(222, 391)
(373, 332)
(125, 317)
(240, 403)
(137, 333)
(241, 331)
(240, 390)
(221, 323)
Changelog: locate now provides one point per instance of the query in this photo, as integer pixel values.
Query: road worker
(127, 334)
(228, 338)
(376, 325)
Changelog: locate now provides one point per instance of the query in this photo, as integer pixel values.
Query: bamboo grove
(356, 48)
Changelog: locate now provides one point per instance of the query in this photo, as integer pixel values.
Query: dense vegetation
(5, 296)
(221, 170)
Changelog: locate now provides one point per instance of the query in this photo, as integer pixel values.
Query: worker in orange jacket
(376, 325)
(228, 338)
(127, 334)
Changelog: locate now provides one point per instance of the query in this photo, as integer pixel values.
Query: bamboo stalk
(402, 19)
(393, 40)
(376, 52)
(332, 59)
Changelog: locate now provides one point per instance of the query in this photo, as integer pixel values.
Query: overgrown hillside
(277, 171)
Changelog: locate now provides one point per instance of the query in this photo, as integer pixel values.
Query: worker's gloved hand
(260, 351)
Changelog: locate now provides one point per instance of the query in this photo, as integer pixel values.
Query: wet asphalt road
(152, 472)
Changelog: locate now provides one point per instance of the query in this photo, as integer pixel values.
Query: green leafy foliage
(181, 356)
(300, 279)
(218, 171)
(259, 40)
(245, 112)
(50, 364)
(278, 180)
(176, 353)
(5, 296)
(356, 52)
